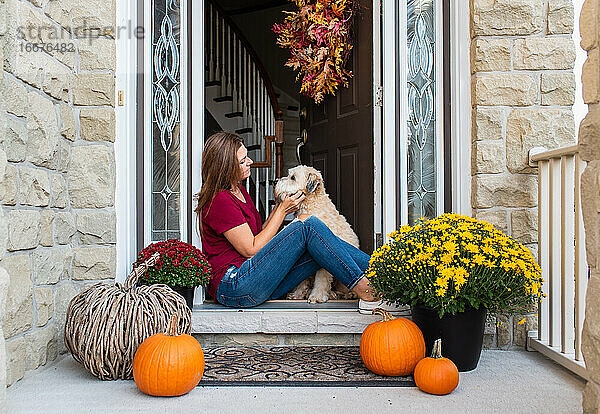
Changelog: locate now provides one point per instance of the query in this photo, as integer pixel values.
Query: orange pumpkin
(168, 364)
(392, 346)
(436, 375)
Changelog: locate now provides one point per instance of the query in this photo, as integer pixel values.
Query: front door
(339, 135)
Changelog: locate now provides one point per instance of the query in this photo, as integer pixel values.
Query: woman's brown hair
(220, 168)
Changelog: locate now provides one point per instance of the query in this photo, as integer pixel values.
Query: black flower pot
(462, 334)
(187, 293)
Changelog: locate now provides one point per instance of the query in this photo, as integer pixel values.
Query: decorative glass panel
(421, 109)
(165, 120)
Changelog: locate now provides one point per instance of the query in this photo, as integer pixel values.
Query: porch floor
(504, 382)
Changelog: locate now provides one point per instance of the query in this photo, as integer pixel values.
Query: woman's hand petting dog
(292, 202)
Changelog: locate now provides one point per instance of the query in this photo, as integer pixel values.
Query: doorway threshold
(277, 305)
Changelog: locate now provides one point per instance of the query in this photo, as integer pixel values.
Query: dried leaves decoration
(318, 37)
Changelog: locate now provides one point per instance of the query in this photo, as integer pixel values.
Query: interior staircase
(240, 96)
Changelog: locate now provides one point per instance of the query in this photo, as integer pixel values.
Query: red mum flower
(180, 264)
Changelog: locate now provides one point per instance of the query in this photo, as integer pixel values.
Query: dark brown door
(340, 136)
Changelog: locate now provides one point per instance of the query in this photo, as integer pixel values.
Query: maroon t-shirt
(224, 213)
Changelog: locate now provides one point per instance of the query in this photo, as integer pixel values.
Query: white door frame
(460, 79)
(378, 194)
(184, 205)
(126, 132)
(197, 120)
(125, 140)
(387, 123)
(390, 118)
(395, 119)
(197, 98)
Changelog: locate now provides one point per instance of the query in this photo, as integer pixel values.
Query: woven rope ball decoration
(106, 323)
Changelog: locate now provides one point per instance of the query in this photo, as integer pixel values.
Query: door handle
(303, 113)
(300, 141)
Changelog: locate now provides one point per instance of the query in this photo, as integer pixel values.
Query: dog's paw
(298, 295)
(301, 291)
(342, 292)
(318, 297)
(350, 295)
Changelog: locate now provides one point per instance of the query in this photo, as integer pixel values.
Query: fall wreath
(318, 36)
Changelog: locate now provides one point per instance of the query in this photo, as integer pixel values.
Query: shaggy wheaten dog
(317, 203)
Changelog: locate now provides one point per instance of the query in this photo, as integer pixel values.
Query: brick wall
(57, 167)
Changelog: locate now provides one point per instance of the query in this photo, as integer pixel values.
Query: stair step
(292, 108)
(213, 83)
(243, 130)
(252, 147)
(223, 99)
(234, 115)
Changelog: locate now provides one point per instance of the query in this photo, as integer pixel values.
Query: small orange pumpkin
(393, 346)
(169, 364)
(436, 375)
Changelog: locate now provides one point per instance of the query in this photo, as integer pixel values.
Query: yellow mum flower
(471, 248)
(446, 258)
(489, 250)
(441, 282)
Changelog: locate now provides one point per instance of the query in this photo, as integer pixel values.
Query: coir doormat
(292, 366)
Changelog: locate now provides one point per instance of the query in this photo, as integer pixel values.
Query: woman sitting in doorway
(251, 262)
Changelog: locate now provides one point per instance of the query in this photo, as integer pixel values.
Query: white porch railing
(561, 255)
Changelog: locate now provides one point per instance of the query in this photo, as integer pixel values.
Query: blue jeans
(294, 254)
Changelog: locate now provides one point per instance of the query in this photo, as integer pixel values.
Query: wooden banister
(268, 162)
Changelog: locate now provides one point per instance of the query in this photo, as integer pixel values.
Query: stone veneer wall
(57, 169)
(523, 89)
(4, 282)
(589, 150)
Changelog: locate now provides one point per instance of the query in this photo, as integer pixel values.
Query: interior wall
(257, 27)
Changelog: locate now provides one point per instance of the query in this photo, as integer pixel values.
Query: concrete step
(284, 316)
